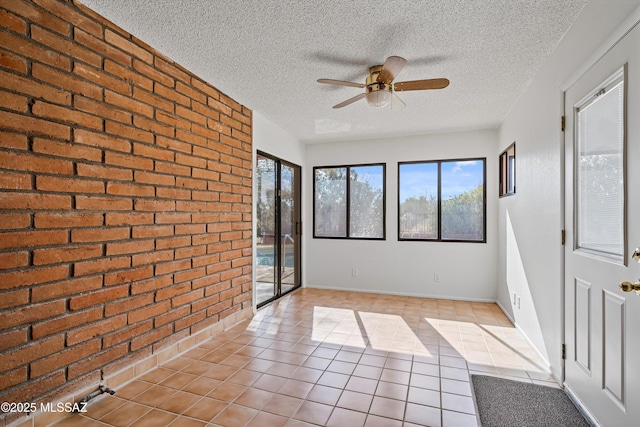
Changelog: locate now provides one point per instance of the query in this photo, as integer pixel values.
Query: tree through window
(442, 200)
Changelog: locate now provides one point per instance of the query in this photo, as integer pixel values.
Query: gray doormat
(507, 403)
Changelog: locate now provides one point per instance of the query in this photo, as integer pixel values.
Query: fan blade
(391, 68)
(350, 100)
(396, 103)
(421, 84)
(340, 83)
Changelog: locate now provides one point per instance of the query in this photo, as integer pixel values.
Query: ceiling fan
(379, 87)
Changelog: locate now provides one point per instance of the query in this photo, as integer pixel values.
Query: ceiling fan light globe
(379, 98)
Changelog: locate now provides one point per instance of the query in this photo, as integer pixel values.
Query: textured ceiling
(268, 55)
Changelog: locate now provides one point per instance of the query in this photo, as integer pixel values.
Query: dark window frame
(507, 172)
(439, 162)
(348, 201)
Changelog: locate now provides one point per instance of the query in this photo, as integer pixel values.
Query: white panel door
(602, 220)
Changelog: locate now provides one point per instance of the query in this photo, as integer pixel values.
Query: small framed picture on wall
(508, 171)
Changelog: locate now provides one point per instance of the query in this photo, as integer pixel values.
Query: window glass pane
(418, 196)
(366, 201)
(330, 202)
(600, 174)
(462, 192)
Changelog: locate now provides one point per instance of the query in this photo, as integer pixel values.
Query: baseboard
(401, 294)
(581, 407)
(135, 370)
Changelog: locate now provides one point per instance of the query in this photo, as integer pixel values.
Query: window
(442, 200)
(599, 170)
(349, 202)
(508, 171)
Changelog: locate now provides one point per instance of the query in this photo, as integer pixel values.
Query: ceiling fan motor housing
(378, 92)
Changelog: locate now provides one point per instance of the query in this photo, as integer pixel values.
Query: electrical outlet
(518, 303)
(514, 298)
(354, 272)
(436, 277)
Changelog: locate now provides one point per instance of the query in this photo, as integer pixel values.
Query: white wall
(467, 270)
(530, 223)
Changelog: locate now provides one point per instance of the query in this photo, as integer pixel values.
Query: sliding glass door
(279, 228)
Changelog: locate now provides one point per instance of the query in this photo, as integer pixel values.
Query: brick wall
(125, 199)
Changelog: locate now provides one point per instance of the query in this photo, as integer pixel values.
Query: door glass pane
(366, 201)
(600, 172)
(288, 227)
(462, 192)
(330, 204)
(418, 194)
(266, 250)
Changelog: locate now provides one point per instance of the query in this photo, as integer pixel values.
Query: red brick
(184, 206)
(32, 276)
(66, 322)
(97, 171)
(171, 94)
(127, 305)
(188, 275)
(66, 254)
(128, 161)
(149, 285)
(141, 232)
(68, 185)
(14, 299)
(95, 329)
(191, 138)
(66, 81)
(97, 361)
(98, 203)
(101, 47)
(173, 193)
(173, 242)
(25, 392)
(31, 313)
(99, 297)
(31, 50)
(67, 220)
(63, 358)
(153, 257)
(11, 378)
(172, 69)
(66, 288)
(128, 75)
(127, 103)
(68, 14)
(190, 320)
(129, 218)
(152, 99)
(153, 152)
(64, 149)
(155, 205)
(147, 339)
(171, 267)
(100, 266)
(172, 168)
(13, 62)
(64, 46)
(102, 79)
(33, 125)
(50, 111)
(101, 140)
(13, 338)
(153, 126)
(32, 163)
(12, 22)
(99, 234)
(12, 260)
(27, 239)
(100, 109)
(130, 247)
(173, 218)
(126, 334)
(126, 189)
(29, 87)
(15, 181)
(172, 316)
(128, 276)
(13, 102)
(127, 46)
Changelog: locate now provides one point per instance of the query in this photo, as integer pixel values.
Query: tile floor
(319, 357)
